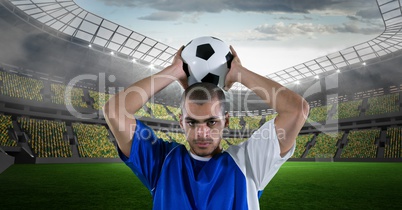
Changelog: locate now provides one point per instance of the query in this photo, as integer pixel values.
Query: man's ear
(227, 119)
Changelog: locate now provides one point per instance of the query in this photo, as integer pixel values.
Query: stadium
(60, 63)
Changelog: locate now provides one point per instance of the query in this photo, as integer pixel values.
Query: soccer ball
(206, 59)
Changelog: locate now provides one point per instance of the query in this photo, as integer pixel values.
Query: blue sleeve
(147, 155)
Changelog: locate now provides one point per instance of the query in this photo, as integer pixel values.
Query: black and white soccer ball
(206, 59)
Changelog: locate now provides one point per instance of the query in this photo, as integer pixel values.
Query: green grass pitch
(298, 185)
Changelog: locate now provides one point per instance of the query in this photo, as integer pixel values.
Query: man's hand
(177, 65)
(292, 109)
(119, 110)
(234, 72)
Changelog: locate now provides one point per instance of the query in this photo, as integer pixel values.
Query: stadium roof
(388, 42)
(67, 17)
(78, 25)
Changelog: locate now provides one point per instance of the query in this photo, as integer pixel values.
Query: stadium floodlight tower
(70, 21)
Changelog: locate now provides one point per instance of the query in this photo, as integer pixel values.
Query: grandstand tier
(51, 102)
(42, 126)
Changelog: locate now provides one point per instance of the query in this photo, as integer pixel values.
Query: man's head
(203, 118)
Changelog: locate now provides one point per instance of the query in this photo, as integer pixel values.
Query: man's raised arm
(119, 110)
(292, 109)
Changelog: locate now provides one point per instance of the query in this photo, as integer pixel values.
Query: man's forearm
(119, 110)
(139, 93)
(292, 109)
(130, 100)
(275, 95)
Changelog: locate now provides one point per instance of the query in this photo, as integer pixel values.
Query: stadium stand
(369, 93)
(59, 91)
(162, 135)
(16, 86)
(234, 123)
(361, 144)
(393, 149)
(142, 113)
(35, 125)
(270, 117)
(224, 144)
(347, 110)
(179, 138)
(175, 111)
(5, 125)
(376, 105)
(235, 141)
(99, 99)
(325, 146)
(93, 141)
(46, 137)
(301, 143)
(159, 111)
(383, 104)
(319, 114)
(252, 122)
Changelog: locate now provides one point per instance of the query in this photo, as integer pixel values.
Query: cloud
(161, 16)
(305, 17)
(353, 18)
(122, 3)
(354, 28)
(192, 18)
(294, 29)
(288, 6)
(369, 13)
(288, 31)
(172, 5)
(287, 18)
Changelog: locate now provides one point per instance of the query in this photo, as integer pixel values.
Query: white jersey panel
(259, 159)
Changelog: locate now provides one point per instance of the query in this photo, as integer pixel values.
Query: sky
(268, 35)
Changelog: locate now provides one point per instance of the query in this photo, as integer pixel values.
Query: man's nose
(202, 130)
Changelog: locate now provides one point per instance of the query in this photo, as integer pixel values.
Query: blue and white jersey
(178, 179)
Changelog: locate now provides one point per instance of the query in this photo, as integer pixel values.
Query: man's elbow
(303, 111)
(108, 111)
(105, 110)
(305, 108)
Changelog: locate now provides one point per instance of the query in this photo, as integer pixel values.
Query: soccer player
(205, 177)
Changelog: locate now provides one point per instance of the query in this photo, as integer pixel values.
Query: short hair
(203, 92)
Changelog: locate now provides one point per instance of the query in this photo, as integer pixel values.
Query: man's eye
(211, 123)
(190, 123)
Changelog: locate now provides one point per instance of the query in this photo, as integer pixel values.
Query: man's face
(203, 125)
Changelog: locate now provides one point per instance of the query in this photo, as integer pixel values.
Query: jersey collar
(205, 159)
